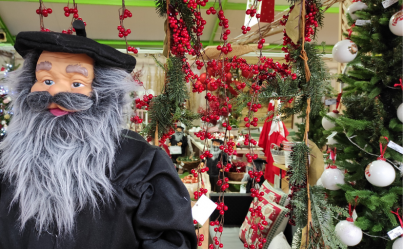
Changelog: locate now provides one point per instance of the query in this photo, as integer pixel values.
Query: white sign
(362, 22)
(396, 147)
(330, 101)
(393, 234)
(175, 150)
(202, 210)
(388, 3)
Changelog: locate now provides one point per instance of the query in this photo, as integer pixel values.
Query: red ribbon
(338, 100)
(332, 155)
(350, 212)
(382, 150)
(400, 84)
(398, 216)
(350, 31)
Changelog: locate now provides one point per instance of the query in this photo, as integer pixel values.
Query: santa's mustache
(39, 101)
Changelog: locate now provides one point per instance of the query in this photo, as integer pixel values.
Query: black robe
(151, 210)
(184, 145)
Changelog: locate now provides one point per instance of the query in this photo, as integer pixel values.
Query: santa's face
(58, 72)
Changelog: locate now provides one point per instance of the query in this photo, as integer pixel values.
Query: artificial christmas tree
(369, 122)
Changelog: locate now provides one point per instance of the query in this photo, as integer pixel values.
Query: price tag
(393, 234)
(355, 216)
(362, 22)
(202, 210)
(388, 3)
(332, 135)
(330, 101)
(395, 147)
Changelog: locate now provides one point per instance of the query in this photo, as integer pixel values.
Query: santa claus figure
(71, 176)
(219, 157)
(178, 139)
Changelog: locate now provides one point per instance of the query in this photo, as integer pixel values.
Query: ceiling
(102, 19)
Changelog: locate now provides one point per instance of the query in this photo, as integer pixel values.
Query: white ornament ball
(344, 51)
(396, 23)
(380, 173)
(348, 233)
(331, 177)
(398, 244)
(331, 141)
(354, 7)
(326, 123)
(400, 112)
(319, 182)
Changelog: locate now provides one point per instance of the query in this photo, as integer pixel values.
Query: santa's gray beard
(215, 152)
(178, 137)
(59, 165)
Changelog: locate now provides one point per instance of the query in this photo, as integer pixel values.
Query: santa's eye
(77, 84)
(48, 82)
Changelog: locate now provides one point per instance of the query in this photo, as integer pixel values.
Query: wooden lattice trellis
(343, 25)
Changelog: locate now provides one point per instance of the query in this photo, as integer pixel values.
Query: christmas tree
(5, 112)
(371, 98)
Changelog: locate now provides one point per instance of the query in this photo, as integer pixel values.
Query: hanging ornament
(319, 182)
(400, 112)
(348, 233)
(396, 23)
(400, 108)
(398, 244)
(326, 123)
(331, 141)
(380, 173)
(354, 7)
(344, 51)
(331, 177)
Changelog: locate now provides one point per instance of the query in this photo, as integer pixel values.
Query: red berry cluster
(145, 102)
(200, 240)
(71, 30)
(126, 13)
(245, 29)
(181, 38)
(226, 168)
(229, 147)
(123, 32)
(44, 11)
(68, 11)
(136, 119)
(211, 10)
(256, 175)
(193, 4)
(311, 24)
(206, 154)
(199, 193)
(166, 136)
(252, 141)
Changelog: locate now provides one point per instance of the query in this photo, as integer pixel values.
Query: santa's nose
(58, 88)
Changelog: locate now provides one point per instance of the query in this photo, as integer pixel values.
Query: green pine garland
(168, 107)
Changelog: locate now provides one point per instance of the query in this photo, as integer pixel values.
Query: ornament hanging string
(350, 31)
(332, 156)
(398, 216)
(400, 84)
(338, 101)
(350, 211)
(381, 157)
(303, 55)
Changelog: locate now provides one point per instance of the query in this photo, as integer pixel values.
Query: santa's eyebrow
(77, 69)
(44, 65)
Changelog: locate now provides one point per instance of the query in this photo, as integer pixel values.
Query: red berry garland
(71, 11)
(42, 11)
(123, 32)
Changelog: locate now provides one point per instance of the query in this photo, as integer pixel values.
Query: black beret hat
(75, 44)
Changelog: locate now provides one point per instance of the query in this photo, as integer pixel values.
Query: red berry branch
(42, 11)
(71, 11)
(123, 32)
